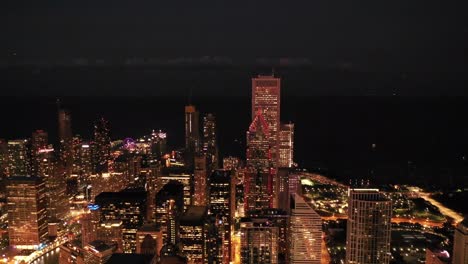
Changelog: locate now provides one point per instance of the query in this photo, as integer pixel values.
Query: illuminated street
(444, 210)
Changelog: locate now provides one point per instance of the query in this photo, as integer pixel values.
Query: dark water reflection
(49, 258)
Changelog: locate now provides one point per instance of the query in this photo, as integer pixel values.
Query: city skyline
(146, 194)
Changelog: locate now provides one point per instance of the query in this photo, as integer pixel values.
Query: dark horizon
(409, 36)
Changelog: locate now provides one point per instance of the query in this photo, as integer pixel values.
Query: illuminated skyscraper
(3, 165)
(27, 215)
(158, 143)
(149, 240)
(192, 134)
(89, 225)
(259, 172)
(19, 163)
(111, 232)
(259, 243)
(45, 161)
(305, 232)
(210, 144)
(66, 140)
(368, 227)
(127, 206)
(102, 144)
(85, 163)
(266, 97)
(286, 145)
(200, 180)
(222, 206)
(282, 190)
(460, 243)
(57, 200)
(169, 205)
(230, 163)
(192, 234)
(39, 140)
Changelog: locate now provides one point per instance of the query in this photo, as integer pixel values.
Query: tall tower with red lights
(259, 172)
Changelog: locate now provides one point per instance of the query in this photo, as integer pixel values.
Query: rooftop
(119, 258)
(195, 215)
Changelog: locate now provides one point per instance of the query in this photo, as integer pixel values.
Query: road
(444, 210)
(326, 259)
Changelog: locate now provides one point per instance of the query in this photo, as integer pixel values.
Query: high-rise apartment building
(305, 232)
(19, 162)
(460, 244)
(222, 207)
(368, 227)
(27, 212)
(286, 145)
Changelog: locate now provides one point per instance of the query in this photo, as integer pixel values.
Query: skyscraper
(27, 215)
(19, 162)
(460, 244)
(259, 172)
(127, 206)
(305, 232)
(169, 205)
(286, 145)
(89, 225)
(282, 189)
(39, 140)
(102, 144)
(192, 134)
(3, 165)
(149, 240)
(210, 144)
(266, 97)
(368, 227)
(200, 180)
(111, 232)
(259, 243)
(57, 201)
(66, 138)
(222, 206)
(192, 234)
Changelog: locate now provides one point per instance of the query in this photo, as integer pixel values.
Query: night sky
(396, 35)
(401, 55)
